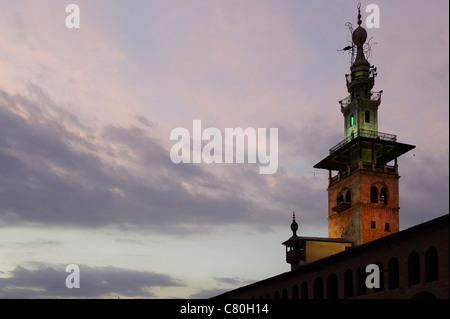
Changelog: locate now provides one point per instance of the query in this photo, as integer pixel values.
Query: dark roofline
(437, 222)
(322, 239)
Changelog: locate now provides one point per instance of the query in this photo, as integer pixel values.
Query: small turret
(294, 253)
(303, 250)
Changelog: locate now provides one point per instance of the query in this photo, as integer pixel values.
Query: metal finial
(294, 225)
(359, 14)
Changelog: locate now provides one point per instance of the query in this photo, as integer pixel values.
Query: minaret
(363, 199)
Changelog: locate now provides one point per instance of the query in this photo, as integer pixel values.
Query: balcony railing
(294, 256)
(374, 96)
(346, 101)
(372, 74)
(365, 133)
(389, 169)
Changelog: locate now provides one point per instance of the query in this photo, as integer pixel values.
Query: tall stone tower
(363, 199)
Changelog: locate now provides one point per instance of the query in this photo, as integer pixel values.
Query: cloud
(425, 186)
(59, 171)
(208, 293)
(230, 282)
(85, 116)
(233, 281)
(42, 280)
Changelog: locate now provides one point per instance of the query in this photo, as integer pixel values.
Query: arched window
(431, 264)
(332, 287)
(374, 194)
(348, 284)
(352, 120)
(304, 291)
(383, 196)
(348, 197)
(295, 292)
(413, 269)
(318, 288)
(284, 294)
(367, 116)
(393, 276)
(361, 281)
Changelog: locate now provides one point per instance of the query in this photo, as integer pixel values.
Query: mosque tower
(363, 197)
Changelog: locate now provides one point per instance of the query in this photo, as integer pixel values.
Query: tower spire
(359, 37)
(359, 14)
(294, 226)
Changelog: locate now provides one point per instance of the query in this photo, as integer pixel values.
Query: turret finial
(359, 14)
(294, 225)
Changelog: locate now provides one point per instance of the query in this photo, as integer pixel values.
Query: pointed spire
(359, 37)
(359, 14)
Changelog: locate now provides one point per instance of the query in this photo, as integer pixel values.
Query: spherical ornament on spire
(359, 36)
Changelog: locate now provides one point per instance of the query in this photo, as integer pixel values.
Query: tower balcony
(388, 169)
(372, 74)
(364, 150)
(374, 96)
(365, 133)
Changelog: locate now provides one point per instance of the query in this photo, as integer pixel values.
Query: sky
(86, 114)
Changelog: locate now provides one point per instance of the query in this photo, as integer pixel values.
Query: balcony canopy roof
(388, 147)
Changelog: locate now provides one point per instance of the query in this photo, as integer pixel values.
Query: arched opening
(332, 287)
(348, 197)
(304, 290)
(361, 281)
(393, 275)
(295, 292)
(367, 116)
(348, 284)
(318, 288)
(431, 264)
(284, 294)
(374, 194)
(413, 269)
(352, 120)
